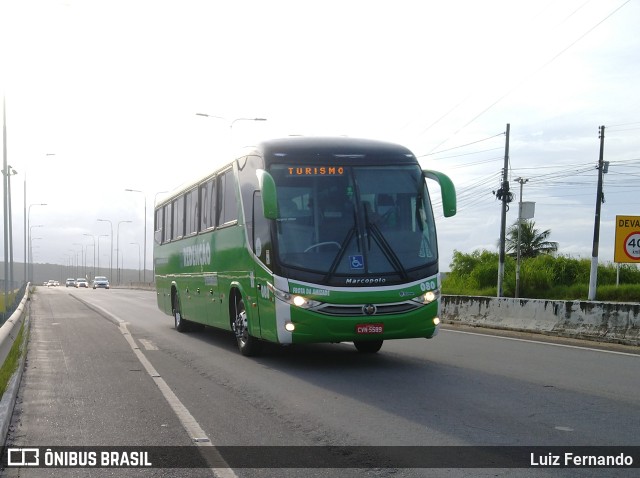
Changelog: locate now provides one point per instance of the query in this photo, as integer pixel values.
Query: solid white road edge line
(543, 343)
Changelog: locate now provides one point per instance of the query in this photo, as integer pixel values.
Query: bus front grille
(357, 310)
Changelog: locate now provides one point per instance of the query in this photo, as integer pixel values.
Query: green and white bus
(303, 240)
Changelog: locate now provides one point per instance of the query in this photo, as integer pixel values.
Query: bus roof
(311, 150)
(320, 149)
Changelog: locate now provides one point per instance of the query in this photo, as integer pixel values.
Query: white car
(100, 282)
(82, 283)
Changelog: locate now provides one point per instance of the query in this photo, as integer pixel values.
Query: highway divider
(8, 334)
(602, 321)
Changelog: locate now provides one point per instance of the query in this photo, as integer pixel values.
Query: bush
(541, 277)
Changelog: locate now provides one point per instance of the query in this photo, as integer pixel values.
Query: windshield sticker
(356, 262)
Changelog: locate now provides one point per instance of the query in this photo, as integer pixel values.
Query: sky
(102, 96)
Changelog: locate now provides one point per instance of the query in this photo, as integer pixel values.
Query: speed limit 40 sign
(627, 239)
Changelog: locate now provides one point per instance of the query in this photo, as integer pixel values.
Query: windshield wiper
(386, 249)
(336, 262)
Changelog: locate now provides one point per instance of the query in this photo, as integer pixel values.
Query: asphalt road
(106, 367)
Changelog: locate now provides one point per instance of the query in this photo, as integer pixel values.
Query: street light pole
(83, 260)
(26, 222)
(110, 256)
(31, 239)
(118, 249)
(102, 235)
(94, 252)
(4, 191)
(145, 230)
(10, 172)
(30, 256)
(28, 260)
(522, 182)
(136, 244)
(233, 121)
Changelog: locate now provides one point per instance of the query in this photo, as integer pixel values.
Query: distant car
(51, 283)
(80, 282)
(100, 282)
(70, 283)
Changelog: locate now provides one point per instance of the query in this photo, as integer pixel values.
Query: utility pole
(6, 206)
(593, 276)
(504, 195)
(522, 183)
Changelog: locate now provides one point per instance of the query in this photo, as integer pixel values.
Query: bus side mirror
(269, 195)
(448, 190)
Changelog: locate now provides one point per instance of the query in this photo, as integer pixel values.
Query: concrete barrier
(603, 321)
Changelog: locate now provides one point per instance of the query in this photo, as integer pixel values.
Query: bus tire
(247, 344)
(368, 346)
(180, 324)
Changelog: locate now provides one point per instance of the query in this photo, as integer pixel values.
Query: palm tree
(532, 241)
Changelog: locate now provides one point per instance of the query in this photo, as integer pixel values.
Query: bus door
(261, 275)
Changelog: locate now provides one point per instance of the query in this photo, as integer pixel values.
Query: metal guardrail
(11, 326)
(8, 334)
(13, 306)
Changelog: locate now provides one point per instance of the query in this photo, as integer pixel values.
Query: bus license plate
(363, 329)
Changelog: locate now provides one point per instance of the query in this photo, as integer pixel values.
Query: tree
(533, 242)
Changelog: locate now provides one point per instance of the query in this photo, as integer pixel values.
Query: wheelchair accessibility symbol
(357, 262)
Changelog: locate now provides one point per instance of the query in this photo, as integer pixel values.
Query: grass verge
(10, 365)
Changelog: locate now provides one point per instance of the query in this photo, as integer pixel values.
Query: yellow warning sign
(627, 244)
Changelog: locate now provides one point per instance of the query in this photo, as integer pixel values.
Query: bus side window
(157, 236)
(228, 208)
(191, 217)
(166, 237)
(178, 218)
(207, 205)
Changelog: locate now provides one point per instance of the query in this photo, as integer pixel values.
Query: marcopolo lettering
(196, 255)
(366, 281)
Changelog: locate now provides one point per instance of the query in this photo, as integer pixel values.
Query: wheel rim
(240, 326)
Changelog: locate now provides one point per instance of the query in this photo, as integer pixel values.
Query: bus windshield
(354, 221)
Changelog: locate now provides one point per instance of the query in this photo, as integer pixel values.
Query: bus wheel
(247, 344)
(368, 347)
(181, 324)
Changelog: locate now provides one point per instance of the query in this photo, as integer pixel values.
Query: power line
(466, 154)
(462, 146)
(527, 77)
(476, 163)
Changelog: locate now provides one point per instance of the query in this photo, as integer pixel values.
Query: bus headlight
(427, 297)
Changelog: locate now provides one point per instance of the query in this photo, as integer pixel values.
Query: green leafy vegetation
(11, 363)
(541, 277)
(11, 296)
(533, 242)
